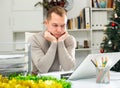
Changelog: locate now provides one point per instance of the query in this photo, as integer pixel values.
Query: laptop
(87, 69)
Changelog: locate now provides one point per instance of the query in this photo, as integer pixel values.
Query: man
(53, 49)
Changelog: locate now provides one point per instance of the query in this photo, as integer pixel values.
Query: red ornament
(113, 24)
(101, 50)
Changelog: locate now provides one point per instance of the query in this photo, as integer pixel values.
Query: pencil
(93, 63)
(96, 62)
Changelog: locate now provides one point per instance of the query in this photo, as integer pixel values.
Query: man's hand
(63, 37)
(48, 36)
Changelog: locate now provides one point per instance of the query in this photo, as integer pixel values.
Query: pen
(93, 63)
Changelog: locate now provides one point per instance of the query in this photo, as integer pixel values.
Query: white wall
(5, 24)
(78, 5)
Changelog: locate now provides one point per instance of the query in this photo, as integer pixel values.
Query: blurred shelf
(102, 9)
(78, 30)
(83, 49)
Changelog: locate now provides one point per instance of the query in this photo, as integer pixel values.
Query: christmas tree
(111, 40)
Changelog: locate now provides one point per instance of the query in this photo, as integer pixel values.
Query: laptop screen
(87, 69)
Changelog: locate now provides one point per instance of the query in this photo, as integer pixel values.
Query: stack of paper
(12, 63)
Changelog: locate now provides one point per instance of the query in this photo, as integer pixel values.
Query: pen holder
(102, 75)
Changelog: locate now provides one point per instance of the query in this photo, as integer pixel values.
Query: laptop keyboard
(65, 75)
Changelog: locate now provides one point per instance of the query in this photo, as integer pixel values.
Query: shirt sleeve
(66, 52)
(41, 60)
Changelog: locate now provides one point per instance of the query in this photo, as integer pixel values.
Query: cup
(103, 74)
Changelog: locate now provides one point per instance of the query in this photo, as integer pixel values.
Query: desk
(91, 82)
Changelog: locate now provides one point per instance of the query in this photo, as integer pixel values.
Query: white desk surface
(91, 82)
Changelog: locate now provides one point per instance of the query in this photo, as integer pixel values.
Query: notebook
(87, 69)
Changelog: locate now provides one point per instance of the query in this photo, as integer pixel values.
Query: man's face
(56, 25)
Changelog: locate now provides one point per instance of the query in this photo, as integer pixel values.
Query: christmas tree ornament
(115, 15)
(104, 37)
(104, 29)
(114, 7)
(116, 27)
(101, 50)
(113, 24)
(109, 42)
